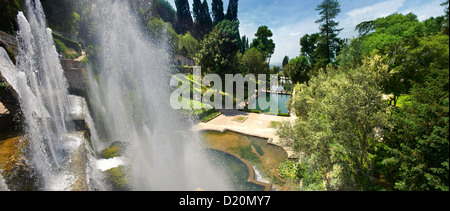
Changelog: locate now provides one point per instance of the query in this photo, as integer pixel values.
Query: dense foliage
(351, 134)
(339, 113)
(8, 14)
(263, 42)
(218, 54)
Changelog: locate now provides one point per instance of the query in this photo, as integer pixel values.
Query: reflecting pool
(261, 155)
(283, 101)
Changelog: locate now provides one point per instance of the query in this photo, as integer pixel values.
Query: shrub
(68, 42)
(210, 116)
(291, 170)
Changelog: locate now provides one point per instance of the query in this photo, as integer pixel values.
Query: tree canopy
(338, 113)
(253, 63)
(329, 10)
(350, 134)
(263, 43)
(218, 54)
(297, 69)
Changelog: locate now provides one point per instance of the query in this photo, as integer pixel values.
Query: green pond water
(283, 101)
(235, 170)
(264, 157)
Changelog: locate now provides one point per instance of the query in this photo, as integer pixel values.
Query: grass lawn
(240, 119)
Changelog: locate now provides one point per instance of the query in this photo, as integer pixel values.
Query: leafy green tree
(231, 28)
(308, 45)
(164, 10)
(401, 40)
(434, 25)
(418, 148)
(329, 10)
(189, 44)
(217, 11)
(253, 63)
(410, 60)
(162, 33)
(391, 29)
(185, 22)
(218, 54)
(297, 69)
(365, 27)
(232, 11)
(339, 113)
(263, 43)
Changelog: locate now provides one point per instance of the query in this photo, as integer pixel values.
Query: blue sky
(289, 20)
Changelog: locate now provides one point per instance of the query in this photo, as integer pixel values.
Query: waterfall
(43, 90)
(131, 95)
(46, 105)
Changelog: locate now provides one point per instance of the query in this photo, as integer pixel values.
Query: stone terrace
(255, 125)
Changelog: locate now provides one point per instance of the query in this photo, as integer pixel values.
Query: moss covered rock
(115, 150)
(118, 178)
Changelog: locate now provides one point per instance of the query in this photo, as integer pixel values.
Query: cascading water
(46, 105)
(43, 90)
(131, 96)
(3, 186)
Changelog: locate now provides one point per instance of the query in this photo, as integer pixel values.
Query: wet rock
(16, 170)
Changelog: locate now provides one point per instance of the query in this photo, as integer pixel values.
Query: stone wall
(75, 75)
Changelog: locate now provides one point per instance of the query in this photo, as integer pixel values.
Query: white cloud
(288, 42)
(352, 18)
(286, 37)
(425, 11)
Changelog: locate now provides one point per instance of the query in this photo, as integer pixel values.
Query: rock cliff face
(8, 96)
(15, 166)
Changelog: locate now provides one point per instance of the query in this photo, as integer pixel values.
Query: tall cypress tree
(185, 22)
(217, 11)
(232, 11)
(196, 9)
(205, 20)
(329, 41)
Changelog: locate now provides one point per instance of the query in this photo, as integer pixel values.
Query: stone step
(73, 165)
